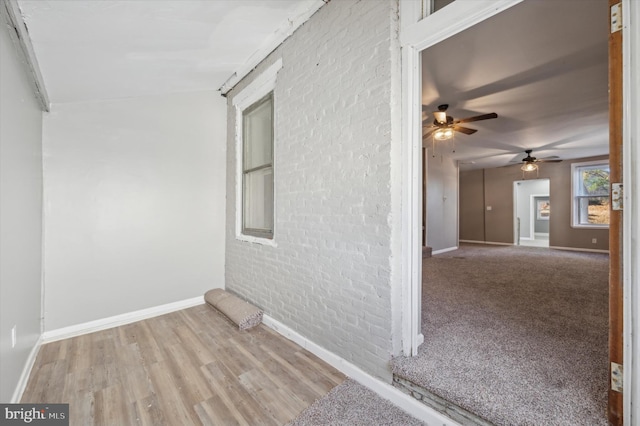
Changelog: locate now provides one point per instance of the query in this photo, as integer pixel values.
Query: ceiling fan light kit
(444, 126)
(443, 134)
(440, 117)
(529, 167)
(530, 164)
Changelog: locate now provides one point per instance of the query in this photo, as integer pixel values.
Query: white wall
(442, 200)
(20, 216)
(329, 277)
(134, 204)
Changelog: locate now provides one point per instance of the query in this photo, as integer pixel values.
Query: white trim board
(579, 249)
(264, 83)
(385, 390)
(551, 247)
(631, 217)
(26, 372)
(485, 242)
(306, 9)
(418, 34)
(118, 320)
(20, 36)
(457, 17)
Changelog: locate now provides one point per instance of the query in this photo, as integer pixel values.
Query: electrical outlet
(14, 336)
(594, 241)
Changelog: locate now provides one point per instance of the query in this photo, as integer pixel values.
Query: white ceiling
(541, 66)
(103, 49)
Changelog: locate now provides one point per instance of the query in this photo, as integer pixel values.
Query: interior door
(615, 227)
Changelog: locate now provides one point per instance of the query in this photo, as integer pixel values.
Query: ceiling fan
(529, 163)
(444, 125)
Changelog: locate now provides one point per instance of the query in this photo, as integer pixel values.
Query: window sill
(590, 226)
(256, 240)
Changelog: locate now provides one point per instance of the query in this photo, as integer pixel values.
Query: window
(590, 194)
(256, 158)
(257, 168)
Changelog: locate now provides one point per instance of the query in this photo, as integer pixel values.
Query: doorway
(419, 37)
(532, 212)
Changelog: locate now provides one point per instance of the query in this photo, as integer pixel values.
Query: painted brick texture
(329, 278)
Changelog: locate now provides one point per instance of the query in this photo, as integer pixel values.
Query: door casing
(419, 32)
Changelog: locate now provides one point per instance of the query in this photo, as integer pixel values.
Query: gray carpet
(352, 404)
(516, 335)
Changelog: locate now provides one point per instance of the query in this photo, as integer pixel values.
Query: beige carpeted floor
(352, 404)
(516, 335)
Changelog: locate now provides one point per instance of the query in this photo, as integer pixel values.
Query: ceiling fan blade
(548, 161)
(477, 118)
(428, 133)
(465, 130)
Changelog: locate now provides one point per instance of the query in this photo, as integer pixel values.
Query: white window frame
(575, 182)
(256, 90)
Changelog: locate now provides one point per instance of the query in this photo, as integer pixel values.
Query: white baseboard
(579, 249)
(385, 390)
(26, 372)
(118, 320)
(444, 250)
(551, 247)
(486, 242)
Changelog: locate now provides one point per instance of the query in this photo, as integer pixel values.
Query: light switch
(489, 208)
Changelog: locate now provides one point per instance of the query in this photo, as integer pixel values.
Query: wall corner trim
(385, 390)
(10, 11)
(26, 372)
(118, 320)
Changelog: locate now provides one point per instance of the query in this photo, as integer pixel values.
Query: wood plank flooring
(188, 367)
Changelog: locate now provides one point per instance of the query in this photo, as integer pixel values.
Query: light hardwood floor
(188, 367)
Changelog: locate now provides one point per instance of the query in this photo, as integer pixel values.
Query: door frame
(419, 31)
(516, 209)
(631, 219)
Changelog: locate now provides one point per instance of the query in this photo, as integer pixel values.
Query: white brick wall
(329, 278)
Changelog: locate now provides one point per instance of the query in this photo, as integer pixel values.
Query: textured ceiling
(541, 66)
(92, 50)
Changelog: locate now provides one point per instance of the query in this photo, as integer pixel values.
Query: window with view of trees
(590, 194)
